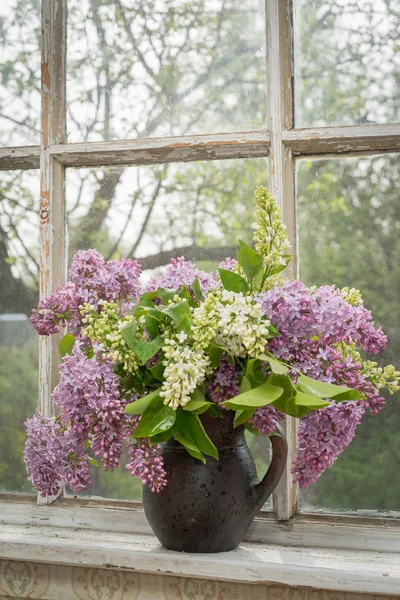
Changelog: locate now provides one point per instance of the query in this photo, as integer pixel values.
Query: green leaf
(199, 393)
(233, 282)
(350, 395)
(276, 366)
(312, 402)
(242, 416)
(287, 258)
(213, 410)
(166, 295)
(186, 324)
(158, 370)
(273, 332)
(198, 406)
(156, 419)
(178, 312)
(250, 261)
(147, 296)
(93, 462)
(66, 344)
(215, 352)
(186, 295)
(152, 310)
(129, 334)
(286, 403)
(197, 403)
(245, 385)
(264, 394)
(146, 350)
(190, 446)
(139, 406)
(197, 289)
(327, 390)
(161, 437)
(258, 378)
(251, 366)
(192, 427)
(152, 326)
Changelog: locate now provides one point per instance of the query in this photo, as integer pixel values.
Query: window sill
(78, 543)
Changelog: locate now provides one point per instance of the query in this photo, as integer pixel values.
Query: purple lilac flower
(56, 310)
(266, 418)
(96, 279)
(181, 272)
(89, 274)
(123, 280)
(92, 279)
(147, 464)
(300, 314)
(323, 435)
(54, 454)
(224, 383)
(311, 323)
(88, 396)
(228, 264)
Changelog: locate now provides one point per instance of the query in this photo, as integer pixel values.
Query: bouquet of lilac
(141, 366)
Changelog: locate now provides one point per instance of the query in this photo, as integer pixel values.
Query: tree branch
(216, 253)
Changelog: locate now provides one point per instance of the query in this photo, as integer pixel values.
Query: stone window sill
(69, 536)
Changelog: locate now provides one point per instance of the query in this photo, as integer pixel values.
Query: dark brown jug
(209, 507)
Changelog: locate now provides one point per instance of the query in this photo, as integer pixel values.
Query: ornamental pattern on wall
(34, 581)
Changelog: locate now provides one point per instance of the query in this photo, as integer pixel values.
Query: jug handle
(266, 486)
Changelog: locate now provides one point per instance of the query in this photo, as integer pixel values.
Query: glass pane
(349, 220)
(19, 274)
(164, 67)
(347, 62)
(20, 72)
(154, 213)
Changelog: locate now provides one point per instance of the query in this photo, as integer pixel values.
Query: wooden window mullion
(281, 184)
(52, 182)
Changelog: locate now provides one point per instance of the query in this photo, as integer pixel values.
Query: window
(158, 120)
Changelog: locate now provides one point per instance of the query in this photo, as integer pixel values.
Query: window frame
(280, 142)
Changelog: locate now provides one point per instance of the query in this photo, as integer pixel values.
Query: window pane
(154, 213)
(164, 67)
(19, 273)
(347, 62)
(20, 72)
(349, 222)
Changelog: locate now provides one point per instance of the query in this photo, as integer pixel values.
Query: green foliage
(146, 350)
(18, 400)
(191, 430)
(139, 406)
(327, 390)
(262, 395)
(349, 219)
(233, 282)
(250, 261)
(156, 419)
(66, 344)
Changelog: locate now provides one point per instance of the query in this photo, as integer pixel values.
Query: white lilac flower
(104, 329)
(270, 235)
(205, 319)
(233, 321)
(242, 328)
(185, 369)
